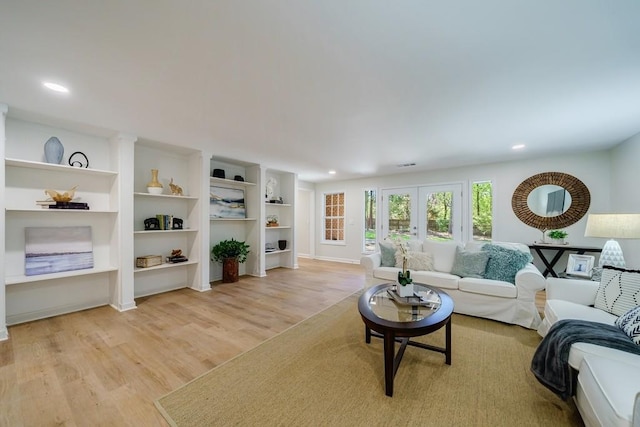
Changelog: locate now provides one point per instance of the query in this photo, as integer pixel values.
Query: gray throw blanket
(550, 363)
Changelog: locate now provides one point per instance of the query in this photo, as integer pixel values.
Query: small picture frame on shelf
(580, 265)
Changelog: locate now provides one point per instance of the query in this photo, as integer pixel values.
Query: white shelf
(224, 181)
(57, 211)
(166, 196)
(280, 205)
(53, 167)
(280, 227)
(211, 218)
(277, 252)
(184, 230)
(14, 280)
(164, 265)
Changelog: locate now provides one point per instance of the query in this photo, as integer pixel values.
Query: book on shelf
(69, 205)
(166, 221)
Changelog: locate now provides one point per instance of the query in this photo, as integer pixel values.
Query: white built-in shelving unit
(114, 185)
(243, 229)
(26, 175)
(285, 189)
(185, 167)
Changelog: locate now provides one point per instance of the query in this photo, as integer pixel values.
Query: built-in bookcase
(184, 229)
(26, 176)
(245, 178)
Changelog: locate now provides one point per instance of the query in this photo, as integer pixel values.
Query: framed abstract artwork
(57, 249)
(226, 203)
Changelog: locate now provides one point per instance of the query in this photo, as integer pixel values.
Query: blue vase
(53, 150)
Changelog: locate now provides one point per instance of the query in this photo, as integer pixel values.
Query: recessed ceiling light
(55, 87)
(518, 147)
(332, 172)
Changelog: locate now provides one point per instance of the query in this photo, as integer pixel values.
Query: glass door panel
(441, 212)
(399, 217)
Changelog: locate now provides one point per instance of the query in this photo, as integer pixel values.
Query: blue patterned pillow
(469, 263)
(630, 324)
(504, 263)
(387, 254)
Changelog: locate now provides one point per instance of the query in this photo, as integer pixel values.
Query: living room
(289, 90)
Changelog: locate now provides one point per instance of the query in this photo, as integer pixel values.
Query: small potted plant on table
(230, 253)
(558, 236)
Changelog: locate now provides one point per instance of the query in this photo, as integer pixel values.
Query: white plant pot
(406, 290)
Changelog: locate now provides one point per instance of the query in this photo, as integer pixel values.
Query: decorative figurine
(75, 160)
(151, 224)
(176, 190)
(67, 196)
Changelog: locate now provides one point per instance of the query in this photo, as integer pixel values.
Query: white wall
(592, 168)
(625, 197)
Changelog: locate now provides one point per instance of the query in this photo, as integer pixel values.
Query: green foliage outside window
(482, 210)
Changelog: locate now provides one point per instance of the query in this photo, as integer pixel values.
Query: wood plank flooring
(103, 368)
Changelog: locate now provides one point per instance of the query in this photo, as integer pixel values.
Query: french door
(440, 212)
(426, 212)
(399, 213)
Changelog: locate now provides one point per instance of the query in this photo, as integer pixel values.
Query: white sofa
(608, 379)
(491, 299)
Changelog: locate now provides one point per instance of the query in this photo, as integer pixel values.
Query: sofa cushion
(488, 287)
(414, 245)
(443, 253)
(606, 391)
(416, 261)
(630, 324)
(388, 254)
(436, 278)
(557, 309)
(619, 290)
(470, 263)
(504, 263)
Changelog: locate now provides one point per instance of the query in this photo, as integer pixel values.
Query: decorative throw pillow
(619, 290)
(417, 261)
(470, 263)
(387, 254)
(504, 263)
(630, 324)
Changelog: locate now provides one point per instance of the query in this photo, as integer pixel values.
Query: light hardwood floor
(103, 368)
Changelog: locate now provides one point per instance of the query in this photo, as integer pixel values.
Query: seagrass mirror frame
(580, 200)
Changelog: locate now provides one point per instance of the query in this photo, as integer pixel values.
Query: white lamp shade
(613, 226)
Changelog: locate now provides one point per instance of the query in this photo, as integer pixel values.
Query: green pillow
(387, 254)
(504, 263)
(470, 263)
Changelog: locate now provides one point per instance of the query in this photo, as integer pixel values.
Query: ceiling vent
(406, 165)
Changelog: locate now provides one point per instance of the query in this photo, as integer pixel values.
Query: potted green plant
(558, 236)
(230, 253)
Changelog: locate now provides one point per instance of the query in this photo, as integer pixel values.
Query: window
(370, 220)
(334, 217)
(482, 209)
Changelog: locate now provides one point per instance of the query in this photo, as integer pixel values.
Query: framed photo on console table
(580, 265)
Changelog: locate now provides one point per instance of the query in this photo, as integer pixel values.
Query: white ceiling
(358, 86)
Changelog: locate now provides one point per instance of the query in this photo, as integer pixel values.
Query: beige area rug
(321, 372)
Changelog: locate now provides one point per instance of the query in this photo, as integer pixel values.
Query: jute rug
(321, 372)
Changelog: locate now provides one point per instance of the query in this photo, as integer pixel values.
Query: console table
(559, 251)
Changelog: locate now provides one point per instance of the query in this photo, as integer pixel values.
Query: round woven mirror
(577, 201)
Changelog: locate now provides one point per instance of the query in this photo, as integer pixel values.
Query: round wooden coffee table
(386, 318)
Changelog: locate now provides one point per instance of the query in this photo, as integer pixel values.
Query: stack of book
(50, 204)
(166, 221)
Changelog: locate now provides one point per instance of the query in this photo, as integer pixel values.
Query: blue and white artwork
(56, 249)
(226, 203)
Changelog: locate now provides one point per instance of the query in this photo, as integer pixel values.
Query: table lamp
(613, 226)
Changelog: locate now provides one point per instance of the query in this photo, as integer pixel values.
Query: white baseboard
(342, 260)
